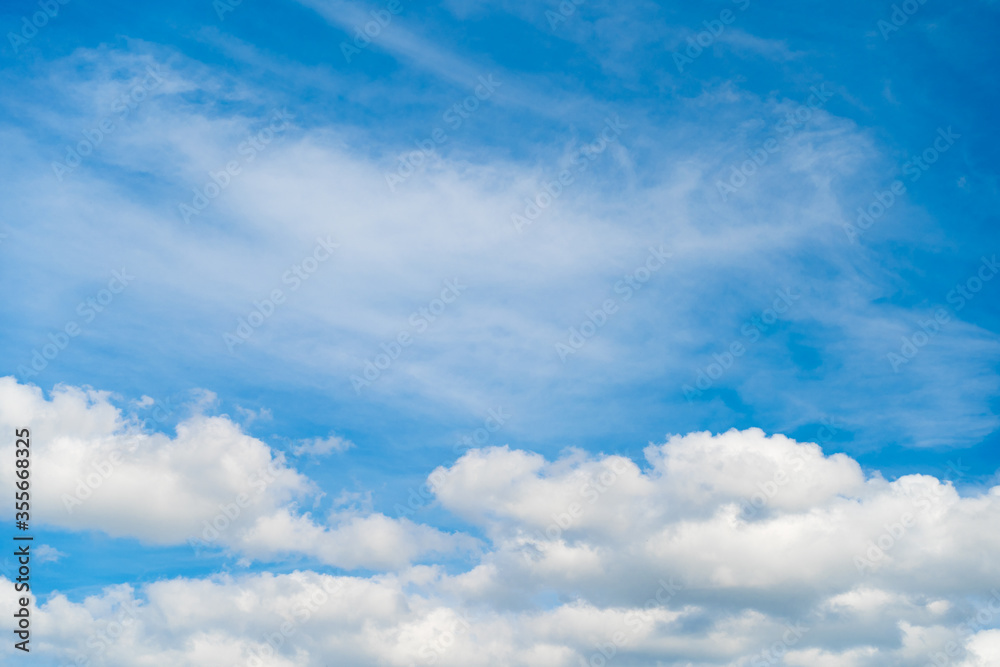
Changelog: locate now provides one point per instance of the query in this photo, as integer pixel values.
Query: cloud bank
(736, 549)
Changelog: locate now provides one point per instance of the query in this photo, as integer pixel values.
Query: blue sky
(612, 224)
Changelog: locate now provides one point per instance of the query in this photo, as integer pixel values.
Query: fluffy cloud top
(758, 516)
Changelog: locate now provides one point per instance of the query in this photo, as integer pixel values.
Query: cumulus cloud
(311, 619)
(210, 484)
(737, 549)
(758, 516)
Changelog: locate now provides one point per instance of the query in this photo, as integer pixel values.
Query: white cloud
(308, 619)
(587, 555)
(210, 483)
(322, 446)
(738, 511)
(374, 541)
(984, 649)
(43, 553)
